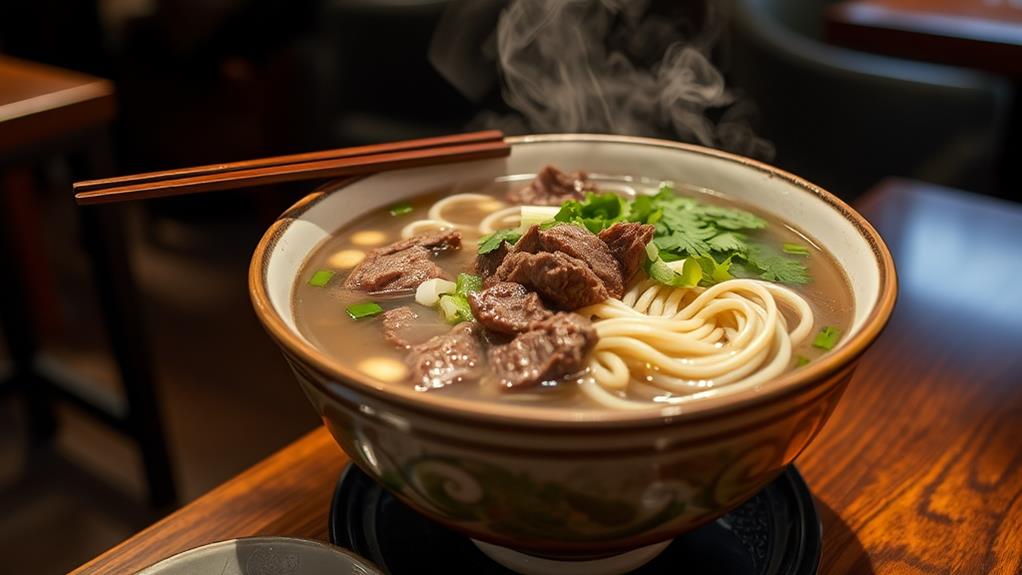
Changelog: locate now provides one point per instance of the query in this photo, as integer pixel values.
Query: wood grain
(350, 152)
(40, 103)
(918, 471)
(342, 166)
(981, 34)
(286, 494)
(920, 468)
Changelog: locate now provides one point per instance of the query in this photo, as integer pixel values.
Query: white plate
(264, 556)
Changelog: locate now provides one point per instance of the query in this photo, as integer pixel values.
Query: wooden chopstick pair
(340, 162)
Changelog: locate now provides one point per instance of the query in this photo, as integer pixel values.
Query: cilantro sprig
(492, 242)
(719, 239)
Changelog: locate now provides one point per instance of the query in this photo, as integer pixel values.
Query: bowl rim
(500, 416)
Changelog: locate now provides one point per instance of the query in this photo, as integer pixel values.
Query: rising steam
(615, 66)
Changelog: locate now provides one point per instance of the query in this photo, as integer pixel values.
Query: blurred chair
(47, 111)
(845, 119)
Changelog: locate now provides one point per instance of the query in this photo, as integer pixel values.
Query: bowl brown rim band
(491, 414)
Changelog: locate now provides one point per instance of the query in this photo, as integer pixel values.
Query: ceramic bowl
(556, 482)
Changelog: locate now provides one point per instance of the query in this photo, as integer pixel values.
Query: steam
(615, 66)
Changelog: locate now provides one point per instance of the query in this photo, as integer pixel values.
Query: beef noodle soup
(565, 290)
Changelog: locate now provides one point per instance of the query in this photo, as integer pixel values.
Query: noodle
(438, 216)
(669, 344)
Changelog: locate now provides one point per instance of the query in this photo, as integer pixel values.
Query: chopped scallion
(827, 338)
(321, 278)
(401, 209)
(468, 283)
(801, 360)
(795, 249)
(690, 275)
(534, 215)
(428, 293)
(362, 310)
(455, 309)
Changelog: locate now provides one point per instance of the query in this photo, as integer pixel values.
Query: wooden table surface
(39, 103)
(918, 471)
(981, 34)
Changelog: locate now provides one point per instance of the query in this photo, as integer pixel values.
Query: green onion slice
(795, 249)
(468, 283)
(362, 310)
(321, 278)
(827, 338)
(401, 209)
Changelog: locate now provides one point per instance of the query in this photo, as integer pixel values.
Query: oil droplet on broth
(346, 259)
(383, 369)
(368, 238)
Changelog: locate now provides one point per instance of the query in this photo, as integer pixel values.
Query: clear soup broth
(321, 317)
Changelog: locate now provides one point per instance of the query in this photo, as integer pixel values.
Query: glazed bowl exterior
(556, 481)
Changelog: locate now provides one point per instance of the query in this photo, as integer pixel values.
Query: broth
(321, 317)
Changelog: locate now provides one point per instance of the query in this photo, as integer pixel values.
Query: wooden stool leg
(104, 236)
(16, 316)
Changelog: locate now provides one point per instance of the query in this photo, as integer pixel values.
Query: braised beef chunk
(553, 187)
(486, 264)
(627, 241)
(396, 323)
(404, 327)
(436, 241)
(507, 308)
(554, 347)
(402, 265)
(561, 280)
(453, 357)
(578, 243)
(399, 270)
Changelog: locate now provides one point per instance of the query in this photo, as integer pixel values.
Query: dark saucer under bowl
(777, 532)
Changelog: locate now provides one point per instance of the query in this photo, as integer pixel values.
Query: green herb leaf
(801, 360)
(658, 270)
(730, 218)
(713, 272)
(321, 278)
(401, 209)
(727, 242)
(827, 338)
(671, 256)
(687, 241)
(767, 264)
(492, 242)
(689, 229)
(795, 249)
(644, 211)
(468, 283)
(455, 309)
(596, 212)
(362, 310)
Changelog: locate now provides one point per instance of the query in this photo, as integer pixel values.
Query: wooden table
(918, 471)
(39, 103)
(982, 34)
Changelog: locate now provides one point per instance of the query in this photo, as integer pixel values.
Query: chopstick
(354, 161)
